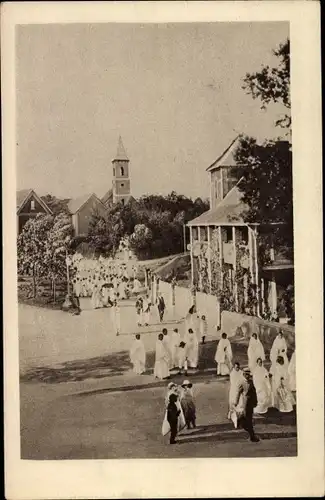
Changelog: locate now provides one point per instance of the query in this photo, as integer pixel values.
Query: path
(79, 398)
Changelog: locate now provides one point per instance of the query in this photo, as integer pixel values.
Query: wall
(206, 304)
(86, 212)
(234, 324)
(241, 325)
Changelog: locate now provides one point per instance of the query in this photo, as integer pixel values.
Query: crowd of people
(105, 281)
(252, 390)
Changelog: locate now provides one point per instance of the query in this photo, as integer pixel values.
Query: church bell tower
(121, 175)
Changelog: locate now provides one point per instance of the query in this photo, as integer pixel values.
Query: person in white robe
(146, 310)
(136, 286)
(223, 356)
(279, 348)
(138, 355)
(182, 358)
(168, 346)
(292, 372)
(261, 381)
(96, 298)
(203, 328)
(255, 350)
(174, 345)
(191, 320)
(122, 290)
(105, 295)
(236, 377)
(161, 369)
(192, 348)
(282, 397)
(139, 310)
(116, 317)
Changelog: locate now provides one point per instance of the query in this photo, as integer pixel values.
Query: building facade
(28, 205)
(226, 251)
(82, 210)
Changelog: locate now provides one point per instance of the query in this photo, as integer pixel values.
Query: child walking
(172, 417)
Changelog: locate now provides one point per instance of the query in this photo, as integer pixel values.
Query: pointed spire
(121, 153)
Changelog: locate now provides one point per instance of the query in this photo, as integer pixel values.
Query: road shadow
(75, 371)
(225, 432)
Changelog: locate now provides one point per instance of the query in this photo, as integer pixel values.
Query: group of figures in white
(252, 390)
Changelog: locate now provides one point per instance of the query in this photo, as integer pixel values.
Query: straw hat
(186, 383)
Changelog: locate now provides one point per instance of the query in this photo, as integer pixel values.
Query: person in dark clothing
(247, 390)
(172, 417)
(161, 307)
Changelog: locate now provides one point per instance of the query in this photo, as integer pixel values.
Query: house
(82, 209)
(28, 205)
(225, 249)
(121, 184)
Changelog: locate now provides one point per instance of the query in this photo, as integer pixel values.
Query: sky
(172, 91)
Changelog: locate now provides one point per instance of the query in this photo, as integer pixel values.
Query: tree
(273, 84)
(164, 216)
(140, 240)
(57, 205)
(265, 169)
(266, 185)
(58, 244)
(32, 247)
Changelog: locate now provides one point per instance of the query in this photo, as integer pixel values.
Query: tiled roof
(230, 210)
(75, 204)
(21, 197)
(227, 159)
(108, 196)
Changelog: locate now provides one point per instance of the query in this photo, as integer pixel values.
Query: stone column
(235, 266)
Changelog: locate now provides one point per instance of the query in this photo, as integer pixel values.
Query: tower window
(122, 185)
(122, 171)
(32, 205)
(114, 171)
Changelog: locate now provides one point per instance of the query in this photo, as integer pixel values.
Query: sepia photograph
(155, 248)
(155, 241)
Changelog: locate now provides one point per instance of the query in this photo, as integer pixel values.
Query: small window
(122, 171)
(32, 204)
(123, 202)
(122, 185)
(114, 171)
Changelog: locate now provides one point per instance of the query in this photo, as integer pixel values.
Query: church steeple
(121, 175)
(121, 153)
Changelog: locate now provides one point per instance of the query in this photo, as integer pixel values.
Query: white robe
(168, 347)
(117, 318)
(292, 372)
(262, 385)
(161, 369)
(192, 349)
(175, 340)
(255, 350)
(96, 298)
(146, 311)
(136, 286)
(138, 356)
(282, 397)
(223, 356)
(279, 348)
(235, 378)
(191, 322)
(121, 290)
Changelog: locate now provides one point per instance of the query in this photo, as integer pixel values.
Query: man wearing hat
(247, 390)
